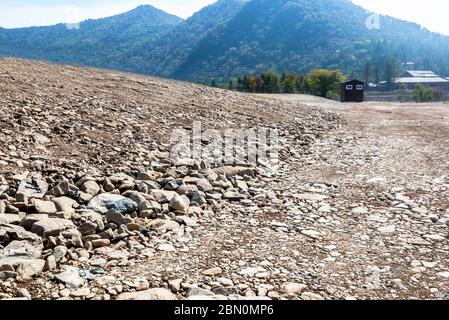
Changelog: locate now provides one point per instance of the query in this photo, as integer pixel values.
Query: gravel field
(92, 207)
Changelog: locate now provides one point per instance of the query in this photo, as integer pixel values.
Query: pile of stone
(50, 222)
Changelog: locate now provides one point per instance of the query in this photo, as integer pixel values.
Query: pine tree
(377, 75)
(240, 84)
(367, 71)
(392, 70)
(245, 84)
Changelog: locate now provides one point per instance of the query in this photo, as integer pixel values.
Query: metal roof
(435, 79)
(422, 73)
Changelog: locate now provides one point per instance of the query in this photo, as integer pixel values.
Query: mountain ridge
(231, 38)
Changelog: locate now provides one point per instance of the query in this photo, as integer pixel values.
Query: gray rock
(23, 293)
(161, 224)
(88, 228)
(32, 188)
(199, 292)
(108, 202)
(119, 178)
(5, 275)
(25, 267)
(238, 171)
(8, 218)
(163, 196)
(91, 188)
(148, 295)
(44, 207)
(148, 175)
(184, 189)
(9, 232)
(65, 204)
(116, 218)
(233, 196)
(31, 219)
(180, 203)
(24, 249)
(51, 227)
(2, 207)
(139, 199)
(65, 188)
(204, 185)
(59, 253)
(73, 238)
(70, 278)
(293, 289)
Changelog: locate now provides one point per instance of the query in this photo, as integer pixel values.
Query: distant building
(352, 91)
(412, 78)
(410, 65)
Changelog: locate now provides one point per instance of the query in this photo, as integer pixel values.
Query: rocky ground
(92, 207)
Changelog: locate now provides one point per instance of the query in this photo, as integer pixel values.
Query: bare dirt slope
(106, 119)
(358, 209)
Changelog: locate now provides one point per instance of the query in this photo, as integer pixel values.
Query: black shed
(352, 91)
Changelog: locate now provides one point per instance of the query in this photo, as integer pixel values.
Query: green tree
(245, 84)
(301, 84)
(271, 82)
(377, 76)
(367, 72)
(252, 84)
(392, 70)
(290, 83)
(231, 85)
(213, 83)
(240, 84)
(402, 93)
(323, 82)
(422, 94)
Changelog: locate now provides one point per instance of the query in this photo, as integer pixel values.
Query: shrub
(422, 94)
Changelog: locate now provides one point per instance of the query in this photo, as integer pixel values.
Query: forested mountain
(235, 37)
(299, 35)
(103, 42)
(171, 51)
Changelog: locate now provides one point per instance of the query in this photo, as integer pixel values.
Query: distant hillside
(103, 43)
(235, 37)
(299, 35)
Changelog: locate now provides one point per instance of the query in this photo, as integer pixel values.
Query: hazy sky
(18, 13)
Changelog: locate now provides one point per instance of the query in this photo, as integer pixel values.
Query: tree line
(321, 82)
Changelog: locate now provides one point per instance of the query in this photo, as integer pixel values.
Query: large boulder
(107, 202)
(51, 227)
